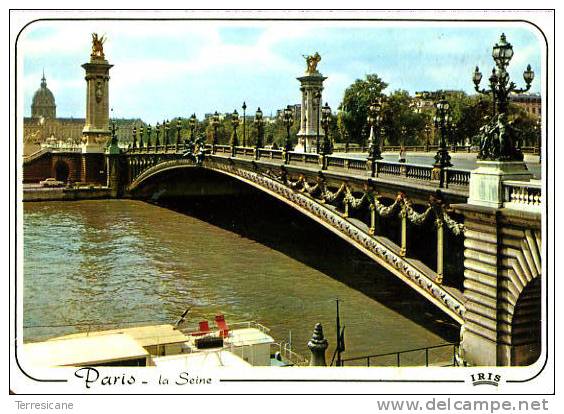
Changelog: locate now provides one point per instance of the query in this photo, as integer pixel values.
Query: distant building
(296, 111)
(530, 102)
(425, 100)
(43, 127)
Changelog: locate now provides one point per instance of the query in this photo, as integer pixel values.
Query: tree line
(404, 120)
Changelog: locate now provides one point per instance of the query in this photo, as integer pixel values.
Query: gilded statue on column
(97, 46)
(312, 61)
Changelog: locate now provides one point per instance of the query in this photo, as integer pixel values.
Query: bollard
(317, 345)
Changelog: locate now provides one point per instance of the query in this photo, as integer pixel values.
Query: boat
(243, 344)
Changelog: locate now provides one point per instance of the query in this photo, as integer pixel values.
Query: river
(108, 263)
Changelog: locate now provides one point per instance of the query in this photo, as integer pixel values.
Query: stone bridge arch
(391, 258)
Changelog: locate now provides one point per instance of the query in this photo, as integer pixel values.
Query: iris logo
(486, 378)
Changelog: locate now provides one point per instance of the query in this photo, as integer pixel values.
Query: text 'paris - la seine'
(92, 376)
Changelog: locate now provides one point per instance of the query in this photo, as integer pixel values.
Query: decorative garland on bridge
(402, 203)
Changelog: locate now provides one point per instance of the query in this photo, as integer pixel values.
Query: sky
(164, 69)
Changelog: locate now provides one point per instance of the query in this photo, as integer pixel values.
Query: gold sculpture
(97, 46)
(312, 61)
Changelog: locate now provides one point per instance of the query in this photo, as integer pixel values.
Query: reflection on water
(122, 261)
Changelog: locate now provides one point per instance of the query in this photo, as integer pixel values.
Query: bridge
(467, 241)
(494, 290)
(481, 266)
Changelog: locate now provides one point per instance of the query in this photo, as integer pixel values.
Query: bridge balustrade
(523, 195)
(456, 177)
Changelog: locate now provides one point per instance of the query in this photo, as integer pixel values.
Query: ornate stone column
(311, 86)
(96, 131)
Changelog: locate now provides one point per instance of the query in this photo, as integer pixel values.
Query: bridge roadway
(326, 189)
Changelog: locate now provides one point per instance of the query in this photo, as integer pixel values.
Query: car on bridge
(51, 182)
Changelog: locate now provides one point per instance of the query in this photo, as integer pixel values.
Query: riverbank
(35, 192)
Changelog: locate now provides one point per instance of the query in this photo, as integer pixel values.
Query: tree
(353, 110)
(398, 114)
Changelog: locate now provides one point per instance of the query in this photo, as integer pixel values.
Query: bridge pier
(502, 285)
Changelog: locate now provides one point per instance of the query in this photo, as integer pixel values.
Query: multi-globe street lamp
(317, 107)
(325, 120)
(427, 136)
(498, 137)
(149, 129)
(157, 131)
(374, 118)
(244, 124)
(234, 139)
(442, 120)
(288, 122)
(134, 143)
(192, 123)
(259, 123)
(141, 137)
(166, 128)
(538, 131)
(215, 125)
(178, 129)
(403, 133)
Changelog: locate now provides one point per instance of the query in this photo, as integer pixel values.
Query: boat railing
(249, 324)
(285, 350)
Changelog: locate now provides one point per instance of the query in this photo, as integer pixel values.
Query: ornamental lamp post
(244, 124)
(166, 128)
(498, 138)
(259, 123)
(374, 118)
(325, 119)
(215, 125)
(317, 104)
(538, 130)
(344, 115)
(403, 133)
(442, 120)
(134, 144)
(234, 140)
(288, 122)
(192, 123)
(141, 137)
(453, 135)
(178, 128)
(148, 136)
(157, 131)
(427, 136)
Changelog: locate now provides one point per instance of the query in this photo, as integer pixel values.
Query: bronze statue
(312, 61)
(97, 46)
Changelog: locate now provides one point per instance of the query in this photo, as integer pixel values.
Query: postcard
(283, 202)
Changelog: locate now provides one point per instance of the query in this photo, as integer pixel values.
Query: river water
(108, 263)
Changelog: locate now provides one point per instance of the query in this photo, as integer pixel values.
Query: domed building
(43, 104)
(43, 128)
